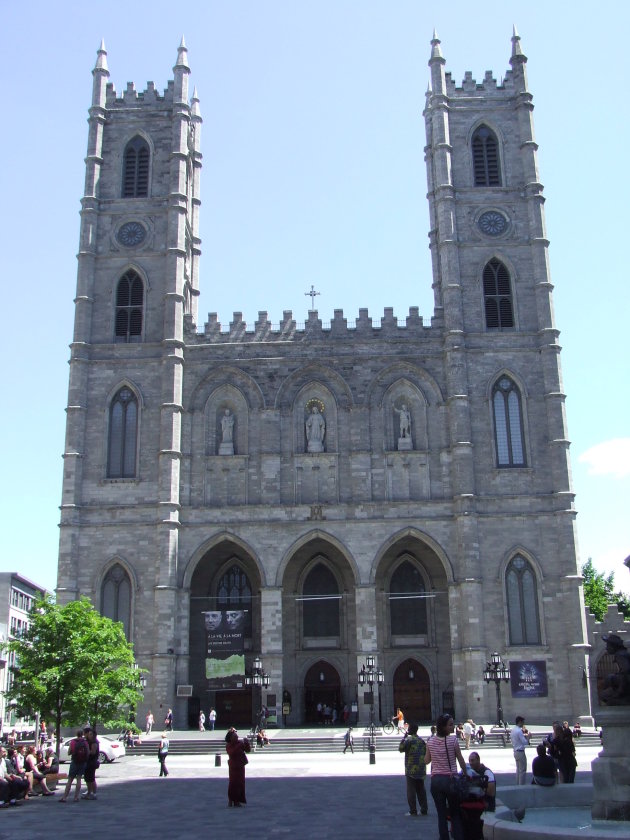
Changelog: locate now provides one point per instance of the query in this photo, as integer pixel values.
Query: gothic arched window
(321, 600)
(129, 307)
(136, 169)
(508, 423)
(407, 605)
(485, 154)
(116, 596)
(497, 296)
(234, 592)
(123, 435)
(522, 602)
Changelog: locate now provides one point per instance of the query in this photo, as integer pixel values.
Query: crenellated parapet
(488, 87)
(389, 326)
(131, 96)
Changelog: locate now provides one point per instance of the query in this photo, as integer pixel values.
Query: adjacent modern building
(383, 485)
(17, 597)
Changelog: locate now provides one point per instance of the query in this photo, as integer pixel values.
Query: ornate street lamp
(370, 675)
(496, 671)
(260, 678)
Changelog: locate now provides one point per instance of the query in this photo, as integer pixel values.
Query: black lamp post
(496, 671)
(257, 677)
(370, 675)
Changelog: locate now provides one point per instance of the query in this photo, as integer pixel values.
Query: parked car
(109, 750)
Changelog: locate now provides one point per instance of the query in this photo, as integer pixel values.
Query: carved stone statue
(404, 436)
(226, 447)
(616, 688)
(315, 430)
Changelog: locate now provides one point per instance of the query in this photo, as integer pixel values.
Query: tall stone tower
(398, 490)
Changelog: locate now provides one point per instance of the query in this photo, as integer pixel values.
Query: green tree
(73, 665)
(599, 592)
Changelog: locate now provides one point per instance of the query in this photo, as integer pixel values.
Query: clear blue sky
(313, 173)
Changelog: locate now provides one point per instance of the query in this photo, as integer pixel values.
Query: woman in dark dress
(562, 750)
(237, 759)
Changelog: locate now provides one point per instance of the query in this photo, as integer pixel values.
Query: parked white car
(109, 750)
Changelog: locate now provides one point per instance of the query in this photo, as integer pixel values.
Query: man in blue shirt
(519, 743)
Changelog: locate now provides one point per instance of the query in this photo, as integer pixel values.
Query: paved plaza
(310, 796)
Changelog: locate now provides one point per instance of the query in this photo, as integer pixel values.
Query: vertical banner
(528, 679)
(225, 648)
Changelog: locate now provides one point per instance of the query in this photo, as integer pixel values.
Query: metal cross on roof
(313, 294)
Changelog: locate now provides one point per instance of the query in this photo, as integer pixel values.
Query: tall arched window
(485, 153)
(136, 169)
(123, 435)
(522, 602)
(129, 307)
(497, 295)
(407, 605)
(508, 424)
(321, 602)
(116, 596)
(234, 592)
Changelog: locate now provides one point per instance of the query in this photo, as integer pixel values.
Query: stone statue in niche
(226, 447)
(616, 688)
(404, 435)
(315, 430)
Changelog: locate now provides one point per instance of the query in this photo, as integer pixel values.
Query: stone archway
(322, 686)
(412, 691)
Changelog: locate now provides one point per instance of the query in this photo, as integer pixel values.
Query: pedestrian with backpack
(348, 740)
(163, 754)
(79, 751)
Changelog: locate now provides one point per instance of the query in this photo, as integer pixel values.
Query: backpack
(80, 751)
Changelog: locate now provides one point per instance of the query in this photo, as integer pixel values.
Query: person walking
(443, 754)
(237, 759)
(92, 764)
(202, 722)
(150, 722)
(168, 721)
(212, 719)
(79, 750)
(163, 754)
(348, 741)
(414, 748)
(520, 742)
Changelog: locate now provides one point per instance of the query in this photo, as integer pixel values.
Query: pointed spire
(182, 54)
(516, 42)
(101, 58)
(195, 111)
(436, 51)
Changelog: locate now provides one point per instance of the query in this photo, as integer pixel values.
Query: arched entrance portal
(412, 691)
(321, 686)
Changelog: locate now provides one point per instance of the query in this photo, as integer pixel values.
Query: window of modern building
(497, 295)
(508, 423)
(116, 596)
(129, 307)
(407, 604)
(123, 435)
(136, 169)
(234, 592)
(485, 154)
(522, 602)
(321, 603)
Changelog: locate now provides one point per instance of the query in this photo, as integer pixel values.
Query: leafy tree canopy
(599, 592)
(73, 665)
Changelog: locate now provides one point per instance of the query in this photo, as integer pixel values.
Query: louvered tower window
(123, 435)
(508, 424)
(522, 603)
(136, 169)
(129, 307)
(485, 152)
(116, 597)
(321, 603)
(497, 293)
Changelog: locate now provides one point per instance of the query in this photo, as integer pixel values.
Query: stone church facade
(384, 487)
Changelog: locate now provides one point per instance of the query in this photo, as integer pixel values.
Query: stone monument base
(404, 444)
(226, 448)
(611, 769)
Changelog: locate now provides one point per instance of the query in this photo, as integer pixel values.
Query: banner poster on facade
(225, 648)
(528, 679)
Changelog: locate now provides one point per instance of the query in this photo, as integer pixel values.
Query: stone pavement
(312, 797)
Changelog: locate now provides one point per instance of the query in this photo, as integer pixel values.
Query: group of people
(555, 760)
(443, 753)
(22, 769)
(470, 733)
(150, 720)
(212, 720)
(84, 753)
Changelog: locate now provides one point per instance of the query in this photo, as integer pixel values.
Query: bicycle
(390, 727)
